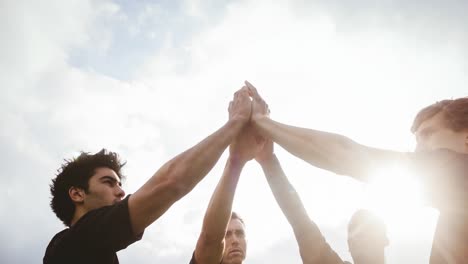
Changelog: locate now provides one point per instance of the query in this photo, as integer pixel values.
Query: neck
(79, 212)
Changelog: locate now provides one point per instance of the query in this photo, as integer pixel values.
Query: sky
(150, 79)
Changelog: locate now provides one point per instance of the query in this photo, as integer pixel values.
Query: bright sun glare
(396, 196)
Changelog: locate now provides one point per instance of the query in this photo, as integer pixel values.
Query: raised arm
(180, 175)
(312, 246)
(325, 150)
(210, 244)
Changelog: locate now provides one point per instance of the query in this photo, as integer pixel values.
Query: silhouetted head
(367, 237)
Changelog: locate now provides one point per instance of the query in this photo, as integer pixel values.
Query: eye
(110, 183)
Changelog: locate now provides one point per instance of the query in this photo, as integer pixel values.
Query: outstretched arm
(180, 175)
(312, 246)
(210, 244)
(325, 150)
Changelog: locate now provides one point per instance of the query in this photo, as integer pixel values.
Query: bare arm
(325, 150)
(312, 246)
(211, 242)
(180, 175)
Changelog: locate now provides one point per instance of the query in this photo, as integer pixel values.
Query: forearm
(328, 151)
(284, 193)
(311, 243)
(210, 244)
(179, 176)
(219, 209)
(312, 246)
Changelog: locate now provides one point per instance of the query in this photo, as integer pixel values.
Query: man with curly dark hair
(88, 198)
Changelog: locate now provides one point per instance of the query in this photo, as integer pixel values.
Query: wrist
(268, 160)
(238, 121)
(237, 160)
(258, 119)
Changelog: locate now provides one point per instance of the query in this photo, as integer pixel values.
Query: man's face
(104, 189)
(235, 248)
(433, 134)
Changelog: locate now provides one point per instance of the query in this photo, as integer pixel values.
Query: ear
(76, 194)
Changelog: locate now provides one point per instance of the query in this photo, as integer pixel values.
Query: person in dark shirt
(440, 162)
(367, 236)
(87, 194)
(233, 249)
(222, 238)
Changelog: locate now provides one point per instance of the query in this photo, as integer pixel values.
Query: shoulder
(55, 245)
(104, 214)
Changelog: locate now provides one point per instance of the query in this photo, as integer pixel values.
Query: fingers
(241, 92)
(252, 91)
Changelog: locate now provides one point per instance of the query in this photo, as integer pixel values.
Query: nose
(235, 240)
(120, 192)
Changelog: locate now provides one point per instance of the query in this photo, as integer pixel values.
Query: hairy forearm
(179, 176)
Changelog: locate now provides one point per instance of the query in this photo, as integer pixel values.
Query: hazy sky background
(150, 79)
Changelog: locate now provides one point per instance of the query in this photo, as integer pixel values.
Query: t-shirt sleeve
(444, 177)
(108, 227)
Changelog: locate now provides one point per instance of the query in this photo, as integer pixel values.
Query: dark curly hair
(455, 114)
(76, 172)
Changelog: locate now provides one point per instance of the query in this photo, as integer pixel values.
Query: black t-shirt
(95, 238)
(444, 175)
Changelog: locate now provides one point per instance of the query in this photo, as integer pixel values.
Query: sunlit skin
(366, 245)
(235, 243)
(433, 133)
(104, 188)
(343, 156)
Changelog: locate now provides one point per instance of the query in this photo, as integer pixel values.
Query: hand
(266, 153)
(247, 145)
(240, 108)
(259, 106)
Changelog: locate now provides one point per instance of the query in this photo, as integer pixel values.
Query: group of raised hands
(249, 107)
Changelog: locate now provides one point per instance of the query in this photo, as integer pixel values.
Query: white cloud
(315, 67)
